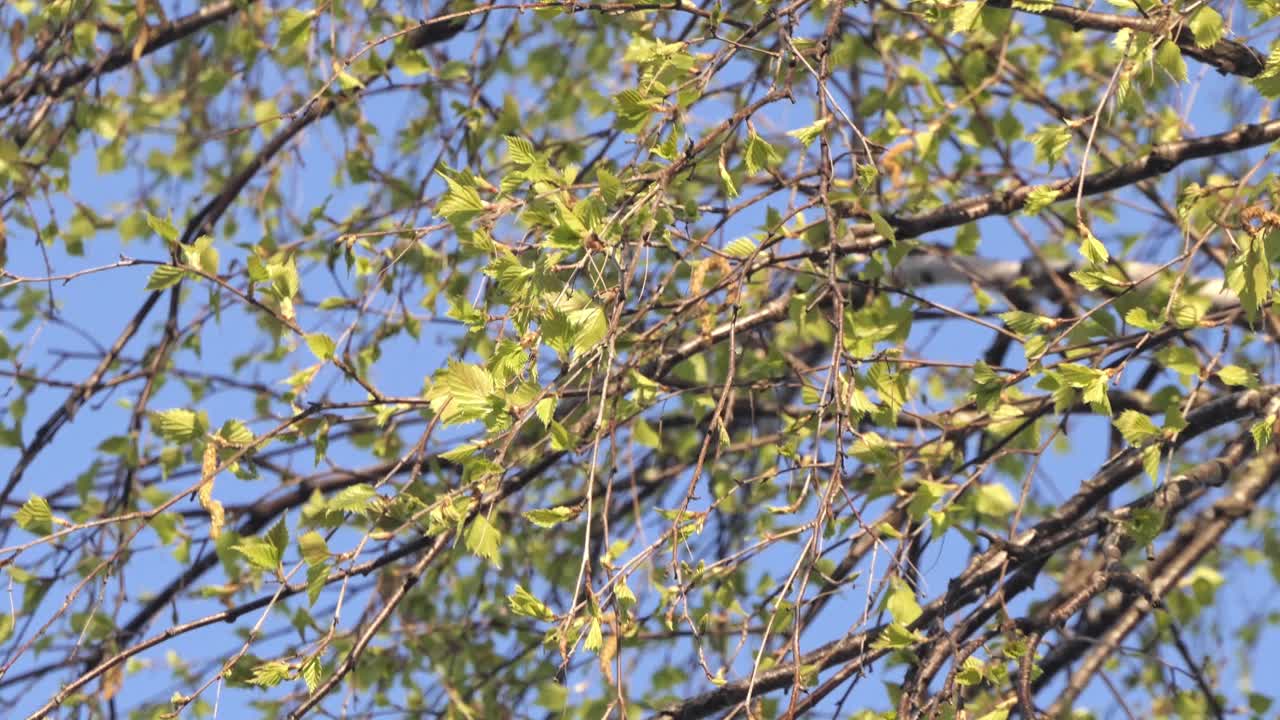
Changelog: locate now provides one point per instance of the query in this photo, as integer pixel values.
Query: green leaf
(164, 277)
(260, 553)
(163, 228)
(545, 410)
(234, 432)
(412, 62)
(460, 393)
(1238, 376)
(1097, 396)
(1092, 249)
(1169, 57)
(1151, 462)
(1261, 432)
(522, 602)
(729, 188)
(177, 425)
(1077, 375)
(278, 536)
(484, 540)
(202, 255)
(1267, 83)
(595, 636)
(590, 326)
(883, 227)
(1051, 142)
(550, 517)
(270, 674)
(461, 202)
(807, 134)
(1023, 323)
(520, 151)
(321, 345)
(994, 500)
(357, 499)
(1144, 525)
(965, 17)
(759, 154)
(741, 248)
(1180, 359)
(317, 577)
(35, 516)
(314, 548)
(632, 109)
(312, 673)
(1135, 427)
(897, 637)
(610, 186)
(1206, 26)
(295, 27)
(1139, 317)
(901, 603)
(1040, 197)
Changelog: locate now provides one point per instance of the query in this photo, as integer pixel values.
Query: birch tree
(571, 359)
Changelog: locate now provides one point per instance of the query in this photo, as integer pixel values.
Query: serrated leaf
(883, 227)
(270, 674)
(1023, 323)
(163, 228)
(35, 516)
(1092, 249)
(520, 150)
(176, 425)
(259, 553)
(610, 186)
(357, 499)
(1261, 432)
(1097, 396)
(1169, 57)
(164, 277)
(460, 392)
(994, 500)
(522, 602)
(1206, 26)
(278, 536)
(312, 672)
(1051, 142)
(1135, 427)
(901, 603)
(1237, 376)
(1139, 317)
(595, 637)
(1151, 462)
(644, 434)
(759, 154)
(484, 540)
(314, 548)
(743, 247)
(897, 637)
(1040, 197)
(412, 62)
(730, 189)
(545, 410)
(234, 432)
(1077, 375)
(807, 134)
(295, 26)
(550, 517)
(321, 345)
(317, 577)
